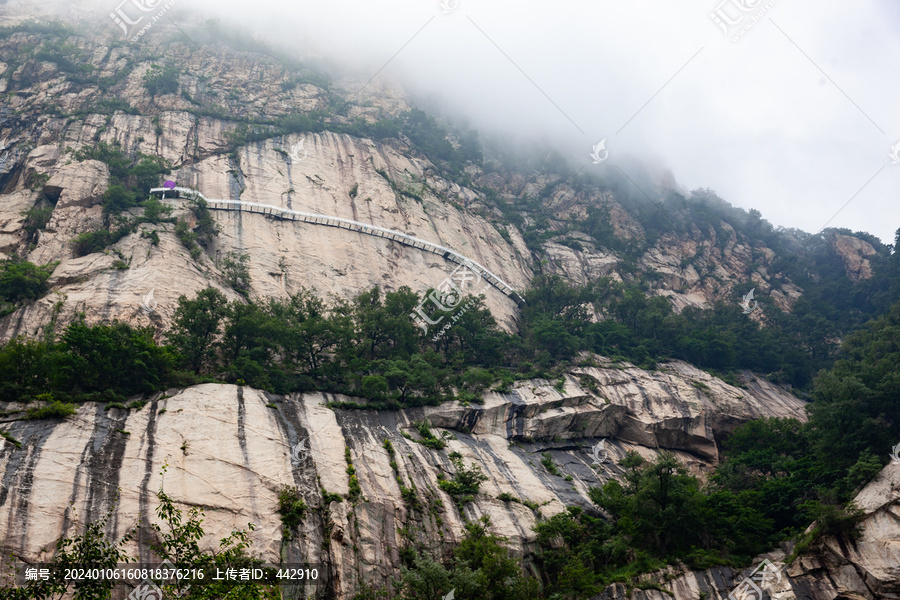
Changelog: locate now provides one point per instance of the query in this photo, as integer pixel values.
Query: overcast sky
(796, 117)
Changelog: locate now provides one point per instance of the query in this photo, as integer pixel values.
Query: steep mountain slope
(231, 450)
(198, 122)
(88, 125)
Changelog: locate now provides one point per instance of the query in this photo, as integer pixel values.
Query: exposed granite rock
(78, 184)
(692, 270)
(855, 254)
(284, 256)
(12, 217)
(229, 450)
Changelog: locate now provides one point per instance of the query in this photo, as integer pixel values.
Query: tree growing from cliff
(161, 79)
(196, 328)
(117, 356)
(465, 483)
(21, 281)
(857, 403)
(236, 268)
(91, 547)
(179, 536)
(130, 179)
(481, 569)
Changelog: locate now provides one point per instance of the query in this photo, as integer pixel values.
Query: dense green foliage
(465, 482)
(56, 409)
(96, 362)
(857, 403)
(481, 569)
(778, 476)
(793, 347)
(659, 514)
(95, 241)
(645, 329)
(291, 507)
(130, 179)
(368, 347)
(161, 79)
(20, 282)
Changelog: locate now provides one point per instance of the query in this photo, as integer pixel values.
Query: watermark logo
(599, 453)
(450, 595)
(748, 303)
(895, 455)
(123, 20)
(447, 296)
(124, 17)
(597, 150)
(300, 453)
(895, 154)
(147, 590)
(751, 586)
(296, 150)
(149, 303)
(448, 6)
(736, 17)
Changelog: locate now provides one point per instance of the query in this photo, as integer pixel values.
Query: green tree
(90, 547)
(855, 404)
(118, 198)
(21, 280)
(249, 343)
(410, 377)
(307, 335)
(498, 576)
(661, 510)
(161, 79)
(196, 327)
(236, 268)
(117, 356)
(177, 541)
(573, 552)
(383, 325)
(482, 569)
(26, 369)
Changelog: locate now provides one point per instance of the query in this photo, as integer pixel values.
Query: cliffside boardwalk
(329, 221)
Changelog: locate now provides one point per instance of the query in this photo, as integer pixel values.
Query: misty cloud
(796, 119)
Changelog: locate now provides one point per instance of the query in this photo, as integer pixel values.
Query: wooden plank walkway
(364, 228)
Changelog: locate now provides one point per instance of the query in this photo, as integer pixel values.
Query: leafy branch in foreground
(178, 537)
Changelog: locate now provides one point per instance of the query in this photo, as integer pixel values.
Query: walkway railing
(374, 230)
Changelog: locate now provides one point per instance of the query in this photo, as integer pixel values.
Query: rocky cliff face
(284, 256)
(231, 449)
(52, 112)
